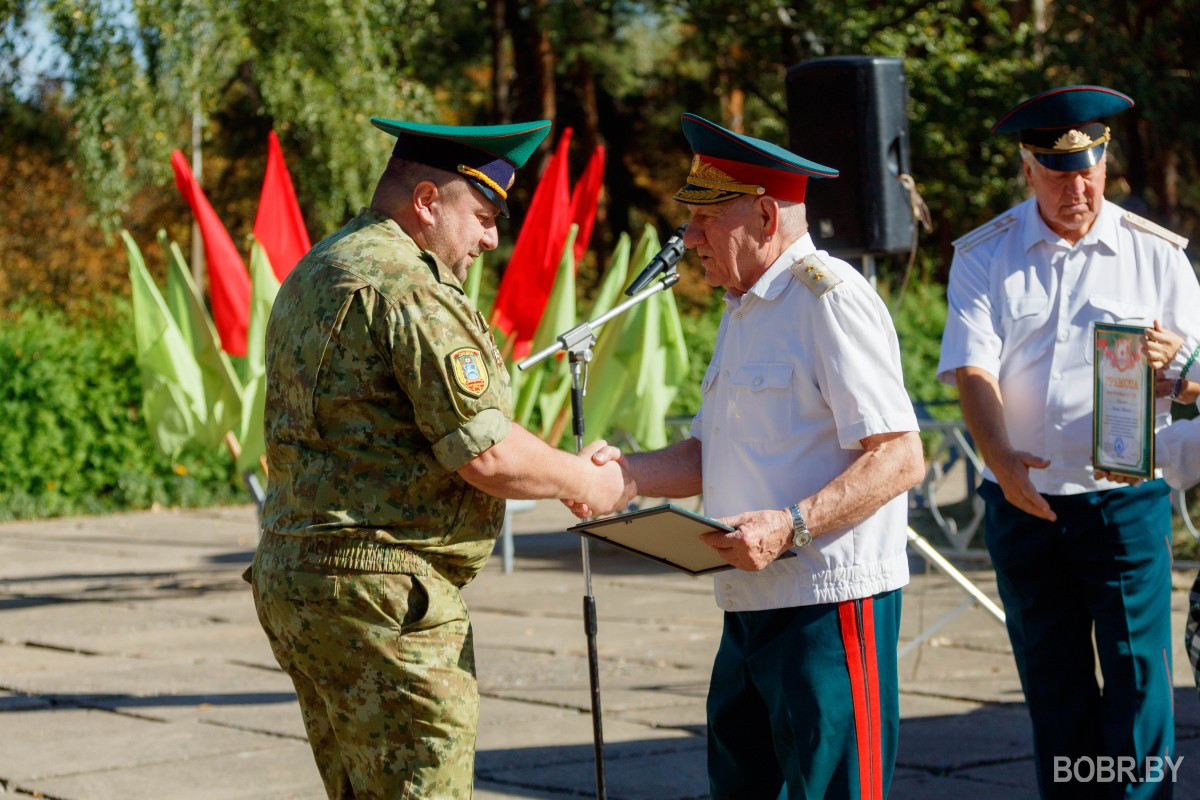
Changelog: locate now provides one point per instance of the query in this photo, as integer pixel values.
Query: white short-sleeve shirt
(1022, 305)
(795, 382)
(1177, 451)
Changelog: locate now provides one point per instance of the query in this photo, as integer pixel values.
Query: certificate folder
(666, 534)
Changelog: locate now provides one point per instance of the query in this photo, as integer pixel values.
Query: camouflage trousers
(384, 671)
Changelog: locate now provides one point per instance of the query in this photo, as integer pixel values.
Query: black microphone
(667, 258)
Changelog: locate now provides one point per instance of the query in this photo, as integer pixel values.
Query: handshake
(607, 485)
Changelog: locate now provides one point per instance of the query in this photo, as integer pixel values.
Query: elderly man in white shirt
(806, 441)
(1077, 555)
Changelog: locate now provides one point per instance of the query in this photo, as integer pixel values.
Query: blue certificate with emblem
(1123, 411)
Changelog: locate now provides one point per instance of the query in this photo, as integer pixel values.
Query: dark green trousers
(804, 702)
(1103, 569)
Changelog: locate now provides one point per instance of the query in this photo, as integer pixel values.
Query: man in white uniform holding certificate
(806, 441)
(1076, 555)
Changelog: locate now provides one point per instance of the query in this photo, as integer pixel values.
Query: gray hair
(793, 218)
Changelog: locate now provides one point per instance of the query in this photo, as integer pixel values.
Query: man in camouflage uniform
(391, 447)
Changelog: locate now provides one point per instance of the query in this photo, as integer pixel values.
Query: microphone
(667, 258)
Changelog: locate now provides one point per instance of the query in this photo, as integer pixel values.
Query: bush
(919, 322)
(700, 333)
(73, 439)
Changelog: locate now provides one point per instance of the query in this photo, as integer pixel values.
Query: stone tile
(279, 770)
(89, 741)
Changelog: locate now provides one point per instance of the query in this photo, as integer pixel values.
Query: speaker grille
(850, 113)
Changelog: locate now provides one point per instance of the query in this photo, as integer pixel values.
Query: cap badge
(712, 177)
(1073, 140)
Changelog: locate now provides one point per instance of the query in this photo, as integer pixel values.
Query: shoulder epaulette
(984, 232)
(815, 275)
(1157, 230)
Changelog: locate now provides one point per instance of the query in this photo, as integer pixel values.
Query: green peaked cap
(486, 155)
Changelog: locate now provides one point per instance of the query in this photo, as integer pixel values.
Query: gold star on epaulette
(811, 272)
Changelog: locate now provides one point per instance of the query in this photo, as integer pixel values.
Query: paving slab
(687, 715)
(950, 742)
(89, 741)
(953, 787)
(630, 638)
(270, 772)
(131, 644)
(634, 770)
(513, 734)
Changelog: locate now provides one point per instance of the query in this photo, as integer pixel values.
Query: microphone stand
(578, 343)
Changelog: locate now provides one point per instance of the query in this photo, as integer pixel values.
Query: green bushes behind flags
(74, 438)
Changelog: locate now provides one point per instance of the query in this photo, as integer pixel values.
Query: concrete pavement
(132, 666)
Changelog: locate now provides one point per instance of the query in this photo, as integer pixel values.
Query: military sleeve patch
(470, 372)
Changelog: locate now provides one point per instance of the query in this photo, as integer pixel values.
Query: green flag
(558, 316)
(222, 389)
(638, 365)
(614, 368)
(473, 282)
(614, 279)
(662, 364)
(172, 389)
(263, 288)
(176, 296)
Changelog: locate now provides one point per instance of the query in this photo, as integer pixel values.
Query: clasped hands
(758, 538)
(610, 485)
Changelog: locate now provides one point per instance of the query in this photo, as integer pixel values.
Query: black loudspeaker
(851, 113)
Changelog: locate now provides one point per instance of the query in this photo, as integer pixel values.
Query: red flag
(228, 281)
(278, 227)
(527, 281)
(584, 200)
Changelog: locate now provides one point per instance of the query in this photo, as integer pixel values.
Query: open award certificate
(1123, 412)
(667, 534)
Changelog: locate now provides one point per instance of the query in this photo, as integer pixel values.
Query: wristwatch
(801, 535)
(1176, 389)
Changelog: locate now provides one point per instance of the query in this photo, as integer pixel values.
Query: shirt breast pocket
(763, 402)
(1021, 310)
(1113, 311)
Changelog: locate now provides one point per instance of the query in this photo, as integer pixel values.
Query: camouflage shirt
(382, 380)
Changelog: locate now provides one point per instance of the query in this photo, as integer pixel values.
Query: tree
(1148, 50)
(317, 72)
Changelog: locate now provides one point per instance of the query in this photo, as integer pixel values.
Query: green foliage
(1149, 51)
(140, 69)
(700, 333)
(72, 438)
(919, 322)
(966, 61)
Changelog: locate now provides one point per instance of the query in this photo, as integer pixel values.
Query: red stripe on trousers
(864, 691)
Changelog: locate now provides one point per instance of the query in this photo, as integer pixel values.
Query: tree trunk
(533, 60)
(501, 107)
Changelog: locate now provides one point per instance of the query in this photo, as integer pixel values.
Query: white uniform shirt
(794, 383)
(1022, 305)
(1177, 451)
